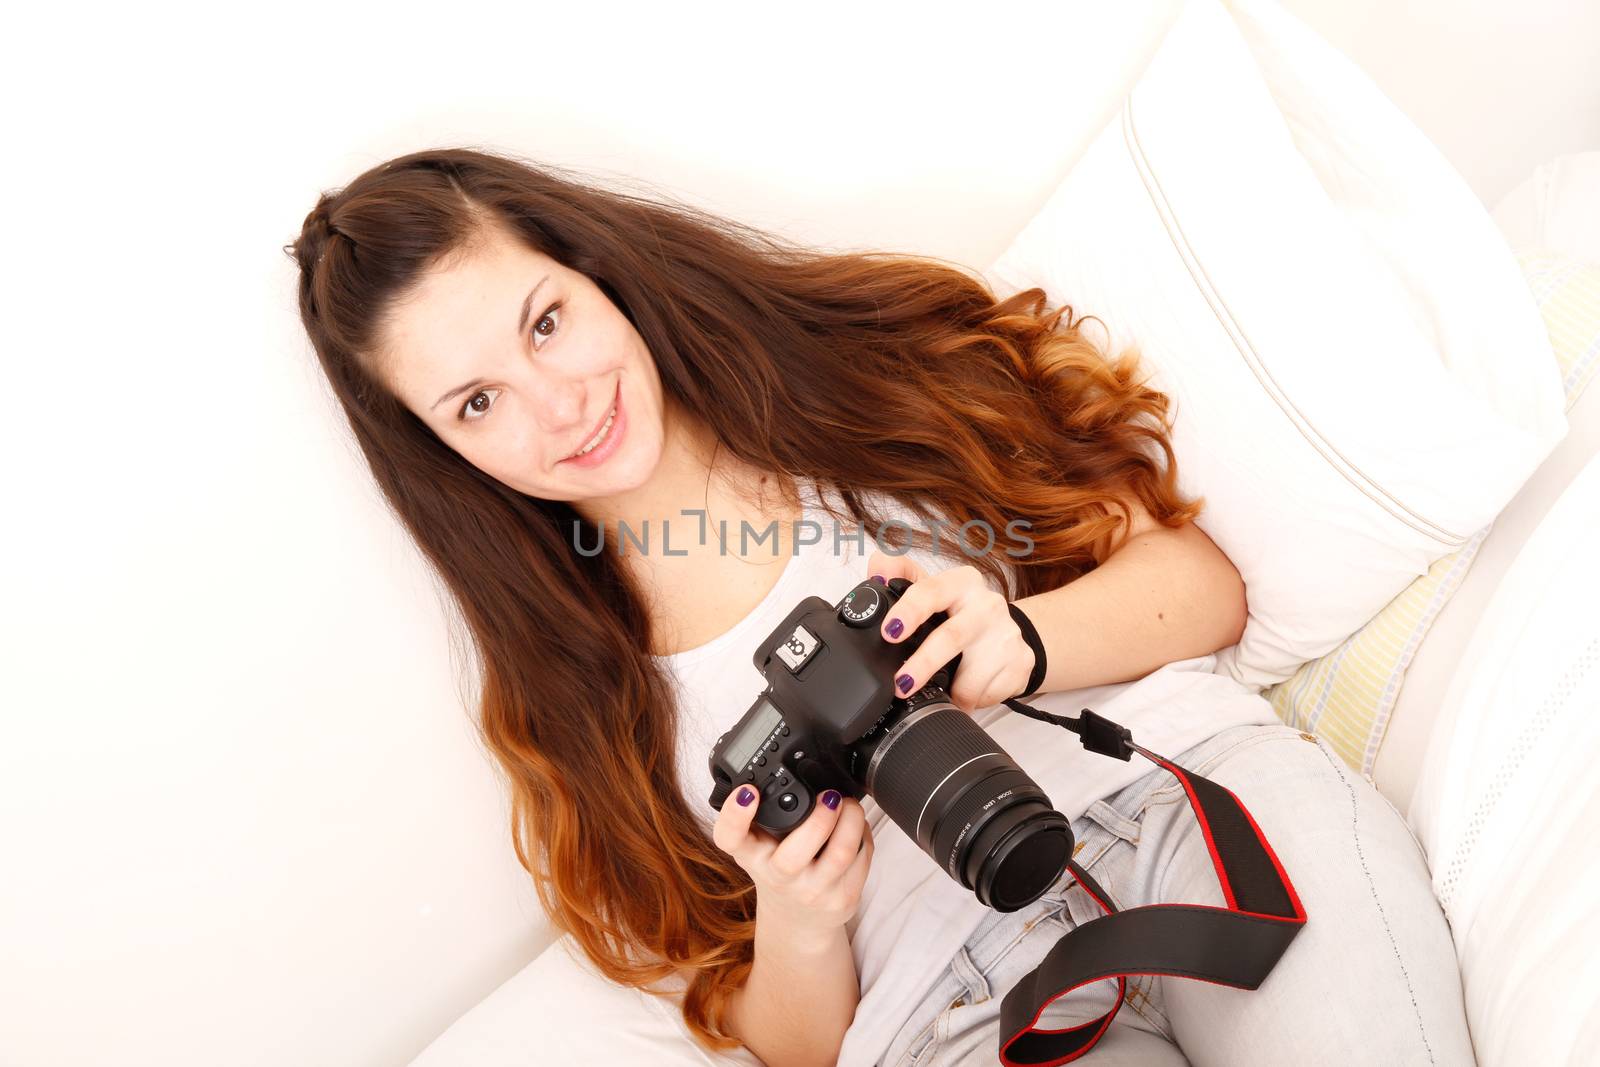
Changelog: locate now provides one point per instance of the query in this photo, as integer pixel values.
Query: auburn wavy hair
(1000, 412)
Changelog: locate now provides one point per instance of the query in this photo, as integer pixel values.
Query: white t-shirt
(913, 917)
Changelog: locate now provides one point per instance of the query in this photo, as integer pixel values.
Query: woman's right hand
(809, 884)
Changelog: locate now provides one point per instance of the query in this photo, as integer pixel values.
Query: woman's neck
(696, 474)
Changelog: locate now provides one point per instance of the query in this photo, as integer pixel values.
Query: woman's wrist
(796, 940)
(1031, 635)
(1165, 595)
(797, 965)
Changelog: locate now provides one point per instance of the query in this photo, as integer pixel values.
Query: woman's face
(518, 363)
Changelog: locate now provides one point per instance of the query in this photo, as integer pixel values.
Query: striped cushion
(1348, 695)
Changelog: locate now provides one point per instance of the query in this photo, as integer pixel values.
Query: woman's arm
(799, 1000)
(1166, 594)
(801, 993)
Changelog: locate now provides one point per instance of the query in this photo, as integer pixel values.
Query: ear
(1143, 522)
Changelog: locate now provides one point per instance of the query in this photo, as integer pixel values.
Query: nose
(558, 406)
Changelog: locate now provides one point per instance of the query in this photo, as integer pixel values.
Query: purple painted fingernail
(878, 578)
(746, 795)
(896, 627)
(903, 683)
(830, 799)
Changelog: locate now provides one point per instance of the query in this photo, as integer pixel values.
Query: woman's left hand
(995, 661)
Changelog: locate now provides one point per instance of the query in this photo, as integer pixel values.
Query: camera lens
(959, 796)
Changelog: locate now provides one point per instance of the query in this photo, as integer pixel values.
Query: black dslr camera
(830, 718)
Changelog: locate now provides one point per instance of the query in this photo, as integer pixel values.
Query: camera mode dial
(861, 605)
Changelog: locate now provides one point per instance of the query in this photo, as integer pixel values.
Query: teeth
(598, 437)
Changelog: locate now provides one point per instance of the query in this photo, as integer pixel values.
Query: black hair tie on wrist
(1030, 635)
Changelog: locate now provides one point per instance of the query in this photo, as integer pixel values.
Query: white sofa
(1418, 764)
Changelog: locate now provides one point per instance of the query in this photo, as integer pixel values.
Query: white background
(243, 816)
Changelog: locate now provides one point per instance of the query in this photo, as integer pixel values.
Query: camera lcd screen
(749, 740)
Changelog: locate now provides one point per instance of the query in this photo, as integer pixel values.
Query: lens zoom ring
(922, 757)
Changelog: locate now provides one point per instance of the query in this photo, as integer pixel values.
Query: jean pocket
(936, 1034)
(919, 1044)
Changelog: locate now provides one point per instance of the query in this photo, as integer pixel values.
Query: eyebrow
(522, 324)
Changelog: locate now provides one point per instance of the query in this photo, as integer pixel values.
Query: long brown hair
(936, 394)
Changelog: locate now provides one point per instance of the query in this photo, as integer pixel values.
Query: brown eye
(477, 411)
(548, 316)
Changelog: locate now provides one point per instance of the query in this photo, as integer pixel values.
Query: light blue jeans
(1370, 979)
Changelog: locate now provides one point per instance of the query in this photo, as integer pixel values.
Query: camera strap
(1236, 946)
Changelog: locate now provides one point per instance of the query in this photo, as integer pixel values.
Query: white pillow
(1568, 293)
(1361, 378)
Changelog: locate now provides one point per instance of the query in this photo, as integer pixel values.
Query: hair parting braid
(319, 230)
(326, 232)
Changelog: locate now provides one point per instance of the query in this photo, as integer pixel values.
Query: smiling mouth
(600, 434)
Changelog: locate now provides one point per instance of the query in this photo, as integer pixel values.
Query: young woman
(539, 371)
